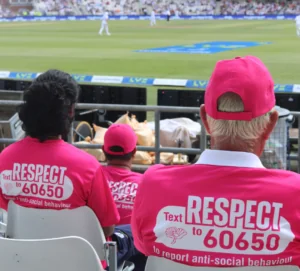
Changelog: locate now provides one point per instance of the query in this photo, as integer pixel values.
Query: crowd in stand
(293, 7)
(186, 7)
(251, 8)
(144, 7)
(5, 12)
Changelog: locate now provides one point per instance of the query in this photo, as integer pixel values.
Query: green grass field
(76, 47)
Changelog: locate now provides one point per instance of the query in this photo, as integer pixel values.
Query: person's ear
(203, 117)
(266, 134)
(271, 125)
(133, 154)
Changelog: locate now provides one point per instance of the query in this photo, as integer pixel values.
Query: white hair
(242, 134)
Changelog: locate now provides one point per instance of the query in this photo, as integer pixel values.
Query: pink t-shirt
(123, 184)
(54, 175)
(218, 214)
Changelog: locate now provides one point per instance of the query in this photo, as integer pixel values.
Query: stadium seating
(27, 223)
(37, 255)
(251, 8)
(161, 264)
(137, 7)
(292, 7)
(5, 12)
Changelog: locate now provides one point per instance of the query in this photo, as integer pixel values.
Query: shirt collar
(229, 159)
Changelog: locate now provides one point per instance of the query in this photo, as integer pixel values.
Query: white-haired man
(227, 209)
(298, 25)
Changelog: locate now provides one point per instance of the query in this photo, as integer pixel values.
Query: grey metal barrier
(157, 110)
(296, 157)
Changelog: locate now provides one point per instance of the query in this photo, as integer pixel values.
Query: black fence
(128, 95)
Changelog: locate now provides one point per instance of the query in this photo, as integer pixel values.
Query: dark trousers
(168, 18)
(126, 249)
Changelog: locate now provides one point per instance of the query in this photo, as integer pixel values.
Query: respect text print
(35, 180)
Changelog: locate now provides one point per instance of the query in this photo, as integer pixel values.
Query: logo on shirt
(175, 233)
(123, 193)
(35, 180)
(235, 226)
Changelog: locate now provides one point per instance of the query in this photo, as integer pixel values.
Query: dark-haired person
(43, 171)
(119, 148)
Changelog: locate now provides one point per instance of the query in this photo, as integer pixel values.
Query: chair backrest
(161, 264)
(59, 254)
(29, 223)
(3, 222)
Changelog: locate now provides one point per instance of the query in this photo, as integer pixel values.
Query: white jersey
(168, 13)
(297, 20)
(152, 14)
(105, 17)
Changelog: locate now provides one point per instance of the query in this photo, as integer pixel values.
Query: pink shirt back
(206, 215)
(54, 175)
(123, 184)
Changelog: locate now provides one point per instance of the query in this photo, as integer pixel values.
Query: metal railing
(157, 111)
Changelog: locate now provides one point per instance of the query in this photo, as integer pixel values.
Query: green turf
(76, 47)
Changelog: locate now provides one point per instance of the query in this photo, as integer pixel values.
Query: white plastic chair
(30, 223)
(3, 222)
(59, 254)
(161, 264)
(2, 229)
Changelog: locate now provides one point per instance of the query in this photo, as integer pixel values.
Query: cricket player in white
(104, 24)
(168, 13)
(298, 25)
(152, 18)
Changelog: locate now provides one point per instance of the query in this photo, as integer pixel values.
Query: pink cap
(250, 79)
(121, 135)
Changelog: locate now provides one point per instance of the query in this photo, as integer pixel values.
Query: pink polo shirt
(54, 175)
(226, 211)
(123, 184)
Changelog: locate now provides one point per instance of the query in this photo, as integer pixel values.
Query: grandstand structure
(10, 8)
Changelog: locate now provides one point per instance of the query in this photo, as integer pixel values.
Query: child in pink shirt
(119, 148)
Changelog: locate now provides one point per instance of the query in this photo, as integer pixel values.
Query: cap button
(238, 57)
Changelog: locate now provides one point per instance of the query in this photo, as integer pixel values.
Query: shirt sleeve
(137, 217)
(3, 201)
(101, 201)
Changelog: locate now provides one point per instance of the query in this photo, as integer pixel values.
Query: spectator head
(120, 145)
(49, 105)
(238, 111)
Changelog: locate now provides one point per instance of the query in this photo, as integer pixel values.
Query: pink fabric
(204, 215)
(123, 184)
(55, 175)
(250, 79)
